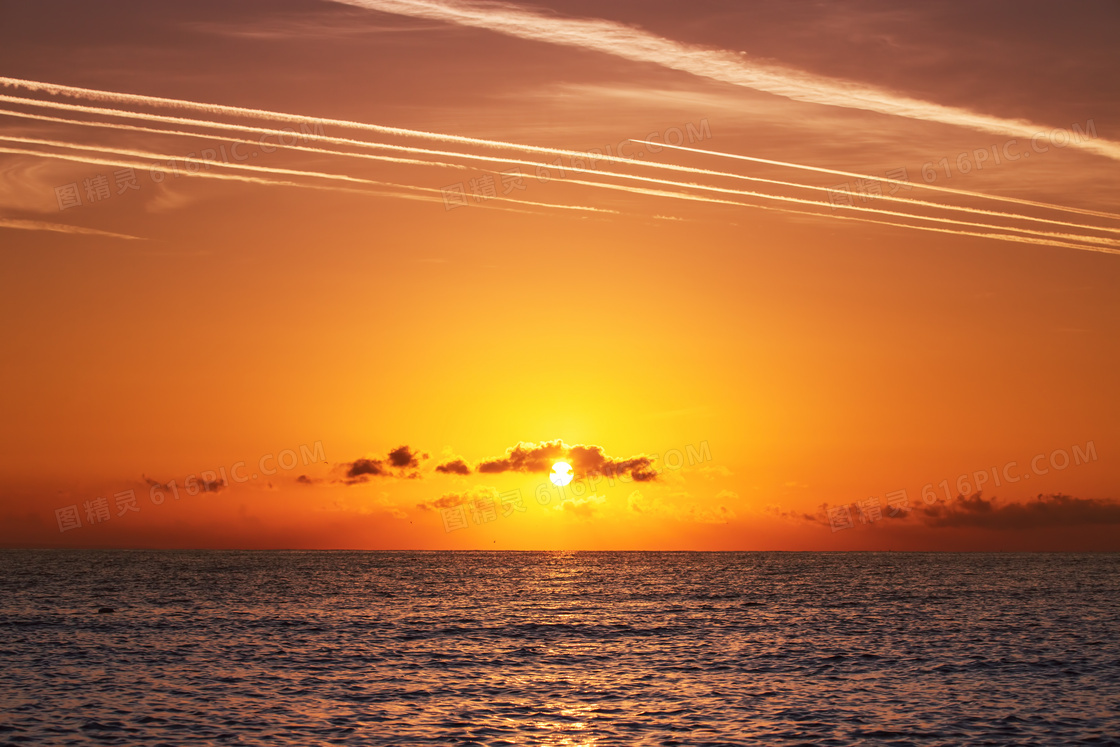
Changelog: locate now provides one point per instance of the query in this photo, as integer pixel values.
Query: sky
(357, 273)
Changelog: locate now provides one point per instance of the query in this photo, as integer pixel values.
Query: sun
(561, 474)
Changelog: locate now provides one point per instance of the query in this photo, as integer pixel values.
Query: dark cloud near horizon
(402, 462)
(585, 460)
(454, 467)
(203, 485)
(781, 513)
(977, 512)
(1044, 511)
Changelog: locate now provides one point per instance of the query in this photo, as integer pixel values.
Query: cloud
(404, 458)
(1045, 511)
(585, 461)
(360, 470)
(450, 500)
(718, 515)
(212, 486)
(584, 508)
(637, 502)
(782, 513)
(726, 66)
(526, 457)
(712, 472)
(685, 512)
(401, 463)
(454, 467)
(591, 460)
(203, 485)
(975, 511)
(305, 480)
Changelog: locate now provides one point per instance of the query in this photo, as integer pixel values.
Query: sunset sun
(561, 474)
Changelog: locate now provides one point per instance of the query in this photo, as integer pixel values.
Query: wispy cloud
(450, 500)
(38, 225)
(725, 66)
(584, 508)
(678, 507)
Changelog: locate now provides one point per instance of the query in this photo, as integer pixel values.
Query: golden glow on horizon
(167, 327)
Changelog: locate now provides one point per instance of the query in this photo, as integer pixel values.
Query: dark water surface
(311, 648)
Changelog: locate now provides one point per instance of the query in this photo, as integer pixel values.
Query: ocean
(545, 648)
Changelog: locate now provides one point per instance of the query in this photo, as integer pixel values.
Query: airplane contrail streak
(650, 180)
(260, 169)
(996, 236)
(38, 225)
(203, 163)
(933, 187)
(494, 144)
(81, 158)
(180, 133)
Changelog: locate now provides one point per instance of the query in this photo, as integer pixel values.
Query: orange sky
(814, 362)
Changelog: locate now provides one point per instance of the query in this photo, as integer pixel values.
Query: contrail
(82, 158)
(413, 161)
(933, 187)
(648, 180)
(145, 164)
(259, 169)
(66, 90)
(132, 98)
(665, 183)
(997, 236)
(635, 44)
(38, 225)
(206, 164)
(238, 111)
(180, 133)
(816, 203)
